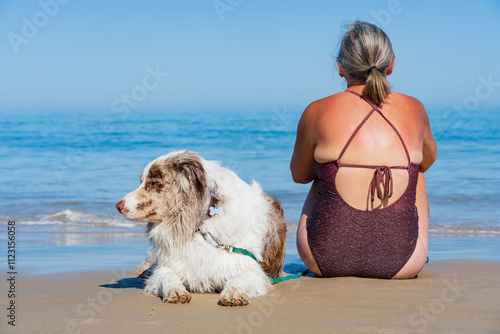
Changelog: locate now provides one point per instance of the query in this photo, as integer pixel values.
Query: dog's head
(174, 192)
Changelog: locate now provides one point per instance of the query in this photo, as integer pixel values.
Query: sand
(448, 297)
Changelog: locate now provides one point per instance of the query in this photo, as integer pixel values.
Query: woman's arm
(429, 148)
(302, 164)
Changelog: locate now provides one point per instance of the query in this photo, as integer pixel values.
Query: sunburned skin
(323, 131)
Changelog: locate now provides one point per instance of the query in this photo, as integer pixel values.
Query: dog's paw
(177, 295)
(233, 297)
(166, 285)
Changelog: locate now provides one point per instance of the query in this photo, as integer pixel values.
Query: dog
(197, 211)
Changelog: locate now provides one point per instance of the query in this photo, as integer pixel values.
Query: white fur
(198, 266)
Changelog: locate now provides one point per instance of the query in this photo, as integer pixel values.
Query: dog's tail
(273, 253)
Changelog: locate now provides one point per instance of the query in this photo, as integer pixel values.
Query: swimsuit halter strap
(374, 108)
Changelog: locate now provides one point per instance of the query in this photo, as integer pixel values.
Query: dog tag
(216, 211)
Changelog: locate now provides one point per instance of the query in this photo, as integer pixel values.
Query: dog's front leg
(239, 288)
(165, 284)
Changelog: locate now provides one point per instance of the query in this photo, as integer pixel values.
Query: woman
(366, 149)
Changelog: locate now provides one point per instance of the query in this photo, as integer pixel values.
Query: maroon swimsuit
(349, 242)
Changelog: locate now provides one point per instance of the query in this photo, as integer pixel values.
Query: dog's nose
(120, 206)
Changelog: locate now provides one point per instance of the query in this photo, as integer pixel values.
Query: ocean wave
(464, 231)
(72, 217)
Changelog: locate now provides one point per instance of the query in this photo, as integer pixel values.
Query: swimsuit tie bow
(382, 183)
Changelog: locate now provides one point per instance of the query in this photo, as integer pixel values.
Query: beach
(76, 255)
(447, 297)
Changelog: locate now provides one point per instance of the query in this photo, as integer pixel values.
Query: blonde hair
(365, 53)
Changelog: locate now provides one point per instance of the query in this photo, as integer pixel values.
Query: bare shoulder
(313, 110)
(414, 110)
(408, 101)
(334, 99)
(330, 103)
(308, 116)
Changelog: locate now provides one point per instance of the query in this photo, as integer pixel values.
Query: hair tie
(371, 68)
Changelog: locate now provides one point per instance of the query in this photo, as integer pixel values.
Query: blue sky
(239, 55)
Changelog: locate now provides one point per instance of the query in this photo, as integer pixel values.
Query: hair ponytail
(365, 54)
(377, 88)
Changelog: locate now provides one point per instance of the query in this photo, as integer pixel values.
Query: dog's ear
(190, 186)
(189, 165)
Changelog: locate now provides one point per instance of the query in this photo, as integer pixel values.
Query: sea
(61, 174)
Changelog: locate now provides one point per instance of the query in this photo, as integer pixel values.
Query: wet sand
(447, 297)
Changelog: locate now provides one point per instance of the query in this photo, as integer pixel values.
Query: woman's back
(376, 142)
